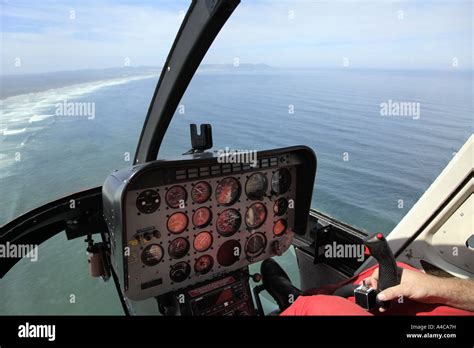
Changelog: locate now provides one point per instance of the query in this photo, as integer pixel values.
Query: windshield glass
(380, 92)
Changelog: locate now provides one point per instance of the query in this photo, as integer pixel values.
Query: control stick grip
(388, 271)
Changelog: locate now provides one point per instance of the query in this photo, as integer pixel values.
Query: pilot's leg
(290, 301)
(324, 305)
(278, 284)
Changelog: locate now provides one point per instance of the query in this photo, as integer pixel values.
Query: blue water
(336, 113)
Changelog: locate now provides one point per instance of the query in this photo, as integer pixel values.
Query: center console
(229, 295)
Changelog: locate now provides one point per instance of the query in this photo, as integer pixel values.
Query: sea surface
(371, 169)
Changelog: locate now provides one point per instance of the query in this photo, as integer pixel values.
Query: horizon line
(232, 67)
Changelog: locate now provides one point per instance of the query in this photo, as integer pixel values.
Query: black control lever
(389, 274)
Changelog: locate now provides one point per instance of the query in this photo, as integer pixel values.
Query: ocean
(372, 166)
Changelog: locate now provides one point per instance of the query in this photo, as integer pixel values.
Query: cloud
(99, 35)
(377, 34)
(369, 33)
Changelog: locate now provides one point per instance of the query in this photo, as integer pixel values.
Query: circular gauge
(201, 192)
(228, 222)
(202, 217)
(229, 253)
(152, 255)
(280, 227)
(148, 201)
(255, 215)
(281, 181)
(204, 264)
(177, 223)
(256, 186)
(176, 196)
(178, 248)
(228, 191)
(203, 241)
(280, 207)
(255, 245)
(180, 271)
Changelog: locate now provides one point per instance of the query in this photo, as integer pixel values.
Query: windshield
(380, 93)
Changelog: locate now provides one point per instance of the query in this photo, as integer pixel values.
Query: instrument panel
(184, 222)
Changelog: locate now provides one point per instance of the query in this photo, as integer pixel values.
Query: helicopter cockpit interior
(183, 234)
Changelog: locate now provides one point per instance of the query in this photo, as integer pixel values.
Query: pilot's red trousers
(335, 305)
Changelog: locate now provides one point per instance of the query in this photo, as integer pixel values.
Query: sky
(45, 36)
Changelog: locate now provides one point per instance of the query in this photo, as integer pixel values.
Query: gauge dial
(280, 207)
(180, 271)
(229, 253)
(228, 191)
(255, 215)
(228, 222)
(178, 248)
(204, 264)
(152, 255)
(148, 201)
(256, 186)
(203, 241)
(280, 227)
(281, 181)
(202, 217)
(255, 245)
(201, 192)
(177, 223)
(176, 196)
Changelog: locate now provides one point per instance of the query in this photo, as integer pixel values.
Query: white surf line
(27, 107)
(38, 118)
(13, 131)
(75, 89)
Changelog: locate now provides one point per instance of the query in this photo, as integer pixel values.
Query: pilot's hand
(416, 286)
(425, 288)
